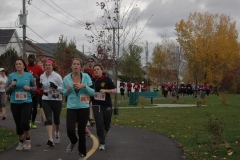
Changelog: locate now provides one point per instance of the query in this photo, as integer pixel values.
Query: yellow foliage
(210, 46)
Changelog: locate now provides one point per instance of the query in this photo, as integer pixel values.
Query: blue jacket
(73, 98)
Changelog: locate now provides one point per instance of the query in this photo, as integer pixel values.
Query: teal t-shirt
(19, 95)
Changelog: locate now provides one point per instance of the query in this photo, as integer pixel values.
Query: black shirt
(105, 83)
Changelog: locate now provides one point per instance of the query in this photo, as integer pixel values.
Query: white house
(9, 38)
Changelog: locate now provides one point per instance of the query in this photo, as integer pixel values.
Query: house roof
(52, 47)
(6, 35)
(32, 47)
(48, 47)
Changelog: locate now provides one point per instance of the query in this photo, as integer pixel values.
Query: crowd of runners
(86, 91)
(189, 89)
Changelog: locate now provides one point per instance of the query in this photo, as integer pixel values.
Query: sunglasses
(90, 61)
(3, 71)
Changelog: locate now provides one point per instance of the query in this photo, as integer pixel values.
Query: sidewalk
(123, 143)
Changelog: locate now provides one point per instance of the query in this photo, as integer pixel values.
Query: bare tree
(122, 23)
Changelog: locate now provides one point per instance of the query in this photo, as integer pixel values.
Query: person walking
(51, 84)
(3, 82)
(77, 87)
(129, 88)
(136, 87)
(43, 117)
(122, 89)
(102, 103)
(36, 72)
(19, 86)
(89, 71)
(143, 87)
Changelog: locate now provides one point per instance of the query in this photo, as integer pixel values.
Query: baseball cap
(91, 58)
(2, 69)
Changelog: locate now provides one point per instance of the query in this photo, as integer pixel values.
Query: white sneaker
(20, 146)
(57, 138)
(82, 157)
(101, 147)
(27, 145)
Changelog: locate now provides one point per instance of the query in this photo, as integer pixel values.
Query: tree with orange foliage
(209, 42)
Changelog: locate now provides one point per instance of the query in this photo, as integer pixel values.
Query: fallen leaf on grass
(179, 146)
(229, 153)
(193, 153)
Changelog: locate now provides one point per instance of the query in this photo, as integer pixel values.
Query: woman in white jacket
(51, 83)
(3, 82)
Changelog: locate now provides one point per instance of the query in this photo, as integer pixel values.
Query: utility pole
(83, 48)
(24, 31)
(115, 71)
(146, 52)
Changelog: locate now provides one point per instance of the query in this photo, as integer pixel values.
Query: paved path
(123, 143)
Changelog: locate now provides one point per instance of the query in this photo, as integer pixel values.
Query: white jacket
(3, 84)
(53, 94)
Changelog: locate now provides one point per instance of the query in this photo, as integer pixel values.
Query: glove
(53, 85)
(46, 94)
(40, 85)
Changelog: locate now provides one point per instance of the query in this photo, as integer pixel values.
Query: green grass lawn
(187, 125)
(7, 138)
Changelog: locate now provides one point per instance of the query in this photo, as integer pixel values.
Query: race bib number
(84, 98)
(99, 96)
(54, 93)
(21, 96)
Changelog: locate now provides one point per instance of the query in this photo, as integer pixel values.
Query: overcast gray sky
(166, 13)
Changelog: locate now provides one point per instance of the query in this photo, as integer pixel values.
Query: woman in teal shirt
(20, 83)
(77, 87)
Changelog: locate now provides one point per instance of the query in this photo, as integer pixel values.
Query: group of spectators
(137, 87)
(87, 91)
(189, 89)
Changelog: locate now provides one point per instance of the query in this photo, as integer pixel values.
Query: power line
(8, 27)
(66, 13)
(55, 18)
(39, 44)
(37, 34)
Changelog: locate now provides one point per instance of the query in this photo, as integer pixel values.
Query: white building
(9, 38)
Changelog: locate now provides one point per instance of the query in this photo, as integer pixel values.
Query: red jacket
(136, 87)
(36, 72)
(143, 87)
(129, 86)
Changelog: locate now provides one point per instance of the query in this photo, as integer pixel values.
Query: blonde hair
(78, 59)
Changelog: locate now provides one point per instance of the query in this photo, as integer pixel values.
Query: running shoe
(20, 146)
(27, 145)
(88, 133)
(101, 147)
(50, 143)
(92, 122)
(57, 138)
(82, 157)
(34, 126)
(30, 123)
(70, 148)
